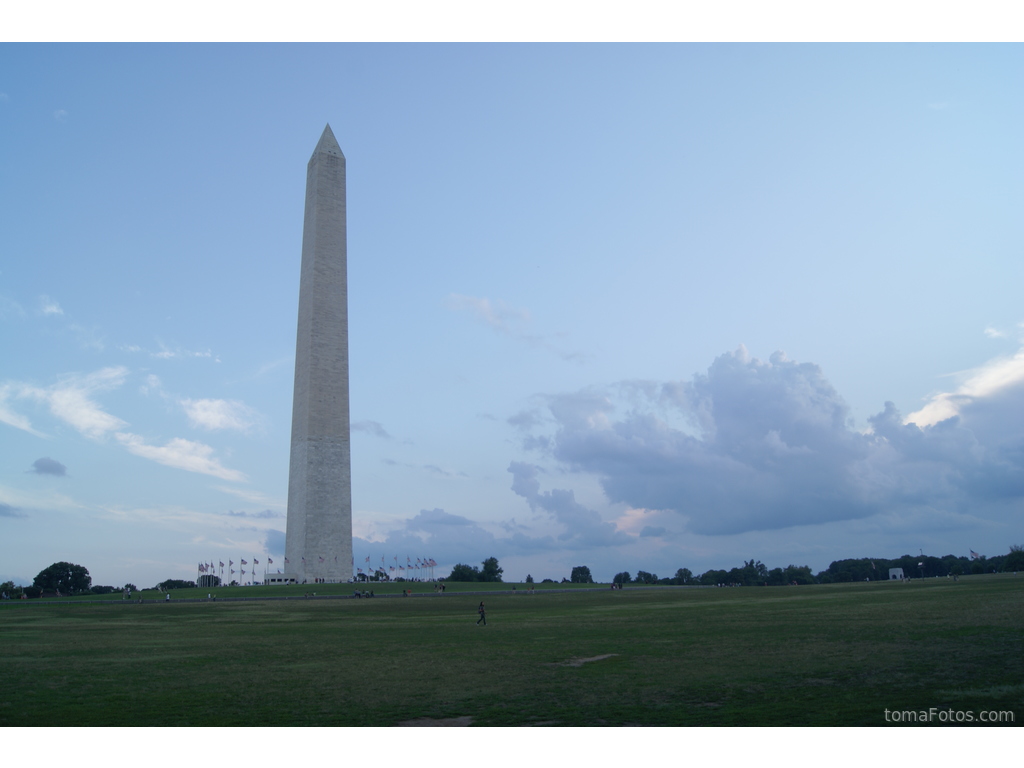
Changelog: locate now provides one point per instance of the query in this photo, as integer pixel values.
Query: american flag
(974, 555)
(243, 562)
(221, 563)
(320, 558)
(270, 561)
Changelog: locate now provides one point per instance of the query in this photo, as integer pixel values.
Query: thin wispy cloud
(371, 427)
(507, 320)
(10, 417)
(181, 454)
(49, 306)
(219, 414)
(431, 468)
(167, 353)
(60, 115)
(266, 514)
(10, 308)
(88, 338)
(495, 314)
(71, 401)
(253, 497)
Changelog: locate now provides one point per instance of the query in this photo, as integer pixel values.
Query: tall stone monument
(318, 539)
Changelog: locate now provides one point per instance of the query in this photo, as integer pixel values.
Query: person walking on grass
(483, 616)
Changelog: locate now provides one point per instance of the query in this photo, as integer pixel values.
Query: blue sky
(630, 307)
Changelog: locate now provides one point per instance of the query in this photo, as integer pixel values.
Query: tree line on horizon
(755, 573)
(70, 579)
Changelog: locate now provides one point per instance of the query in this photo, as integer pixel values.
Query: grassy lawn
(826, 655)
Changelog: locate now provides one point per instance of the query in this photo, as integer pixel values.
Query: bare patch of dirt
(430, 722)
(581, 662)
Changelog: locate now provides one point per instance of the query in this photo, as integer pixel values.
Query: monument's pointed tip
(328, 143)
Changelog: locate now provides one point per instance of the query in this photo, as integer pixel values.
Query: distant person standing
(483, 616)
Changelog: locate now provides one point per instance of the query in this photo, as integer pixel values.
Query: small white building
(280, 578)
(896, 574)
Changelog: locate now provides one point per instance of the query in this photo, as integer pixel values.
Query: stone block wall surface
(318, 540)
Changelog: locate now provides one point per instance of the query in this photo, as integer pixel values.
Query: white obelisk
(318, 540)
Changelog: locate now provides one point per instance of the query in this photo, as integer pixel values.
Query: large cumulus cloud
(759, 445)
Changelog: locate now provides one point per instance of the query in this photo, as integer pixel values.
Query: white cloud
(71, 401)
(994, 333)
(166, 353)
(181, 454)
(498, 315)
(9, 306)
(9, 417)
(152, 384)
(254, 497)
(219, 414)
(984, 382)
(49, 306)
(508, 320)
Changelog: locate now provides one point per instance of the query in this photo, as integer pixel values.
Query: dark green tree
(581, 575)
(643, 577)
(801, 574)
(463, 572)
(12, 592)
(490, 570)
(67, 578)
(622, 578)
(529, 579)
(714, 577)
(1015, 560)
(683, 576)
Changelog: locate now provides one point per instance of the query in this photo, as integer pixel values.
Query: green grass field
(815, 655)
